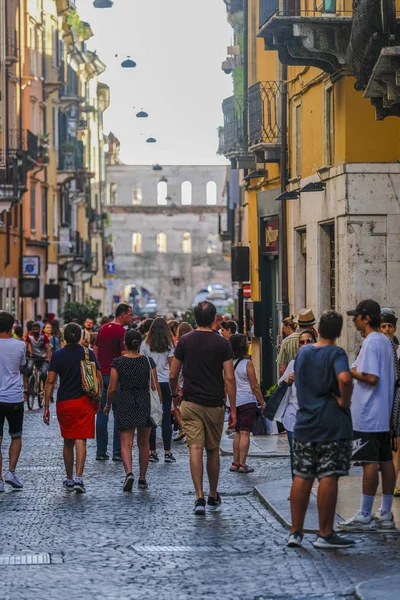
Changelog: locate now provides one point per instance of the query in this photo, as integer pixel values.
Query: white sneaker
(13, 480)
(1, 486)
(384, 520)
(359, 521)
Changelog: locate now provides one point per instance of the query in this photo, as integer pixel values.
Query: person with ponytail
(75, 410)
(133, 373)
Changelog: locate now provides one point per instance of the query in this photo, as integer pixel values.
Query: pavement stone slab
(99, 542)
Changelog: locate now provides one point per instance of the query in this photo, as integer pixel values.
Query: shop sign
(271, 236)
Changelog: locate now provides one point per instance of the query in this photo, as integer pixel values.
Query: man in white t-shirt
(12, 357)
(371, 409)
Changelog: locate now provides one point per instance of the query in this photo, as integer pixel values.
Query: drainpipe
(283, 250)
(21, 123)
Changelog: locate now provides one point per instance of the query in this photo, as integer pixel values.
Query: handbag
(260, 426)
(274, 402)
(90, 383)
(156, 411)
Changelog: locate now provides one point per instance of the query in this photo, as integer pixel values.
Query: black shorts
(246, 417)
(14, 413)
(321, 459)
(372, 447)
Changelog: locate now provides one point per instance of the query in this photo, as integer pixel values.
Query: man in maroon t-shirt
(110, 345)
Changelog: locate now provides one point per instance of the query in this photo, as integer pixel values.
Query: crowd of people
(331, 413)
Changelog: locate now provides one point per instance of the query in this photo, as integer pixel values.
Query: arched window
(187, 243)
(186, 193)
(137, 195)
(161, 242)
(211, 193)
(136, 243)
(211, 243)
(162, 193)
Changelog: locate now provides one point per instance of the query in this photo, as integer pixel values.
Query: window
(55, 127)
(300, 271)
(186, 193)
(211, 243)
(55, 215)
(162, 242)
(187, 243)
(162, 193)
(297, 158)
(329, 127)
(136, 243)
(44, 212)
(327, 289)
(32, 207)
(137, 196)
(113, 193)
(211, 193)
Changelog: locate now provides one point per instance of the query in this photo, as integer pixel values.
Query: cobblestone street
(107, 544)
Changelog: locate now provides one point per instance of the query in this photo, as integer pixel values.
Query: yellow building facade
(321, 191)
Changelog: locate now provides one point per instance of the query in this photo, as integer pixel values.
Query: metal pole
(240, 308)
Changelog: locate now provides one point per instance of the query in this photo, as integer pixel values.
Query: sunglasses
(309, 341)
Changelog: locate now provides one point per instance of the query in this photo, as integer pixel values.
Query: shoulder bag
(156, 411)
(90, 383)
(274, 402)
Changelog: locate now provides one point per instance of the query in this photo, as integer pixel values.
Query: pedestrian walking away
(12, 358)
(248, 393)
(207, 368)
(183, 329)
(290, 345)
(133, 373)
(159, 345)
(75, 410)
(323, 433)
(109, 345)
(287, 410)
(371, 409)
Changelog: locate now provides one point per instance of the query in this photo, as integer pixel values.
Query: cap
(366, 307)
(388, 317)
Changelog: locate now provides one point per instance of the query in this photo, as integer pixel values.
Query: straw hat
(305, 318)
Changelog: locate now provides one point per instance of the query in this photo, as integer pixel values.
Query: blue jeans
(102, 425)
(166, 425)
(290, 440)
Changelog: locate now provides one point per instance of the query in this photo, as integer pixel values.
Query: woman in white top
(287, 411)
(159, 345)
(247, 394)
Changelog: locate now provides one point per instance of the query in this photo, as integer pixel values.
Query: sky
(178, 46)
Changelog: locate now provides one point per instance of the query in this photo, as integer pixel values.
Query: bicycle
(34, 389)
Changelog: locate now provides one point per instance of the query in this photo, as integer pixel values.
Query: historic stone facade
(163, 233)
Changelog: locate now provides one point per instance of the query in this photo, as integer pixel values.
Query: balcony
(264, 106)
(71, 246)
(374, 54)
(65, 6)
(12, 178)
(307, 32)
(71, 156)
(53, 75)
(33, 64)
(235, 146)
(11, 48)
(90, 263)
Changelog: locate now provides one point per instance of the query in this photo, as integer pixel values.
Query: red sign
(271, 233)
(247, 290)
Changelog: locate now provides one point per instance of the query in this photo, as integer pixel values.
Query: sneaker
(245, 469)
(234, 468)
(128, 483)
(384, 520)
(332, 541)
(359, 521)
(1, 486)
(78, 486)
(169, 458)
(295, 540)
(142, 484)
(200, 507)
(13, 480)
(117, 458)
(154, 457)
(214, 503)
(68, 485)
(102, 457)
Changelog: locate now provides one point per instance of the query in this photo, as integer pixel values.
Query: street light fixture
(103, 3)
(151, 140)
(142, 115)
(128, 63)
(157, 167)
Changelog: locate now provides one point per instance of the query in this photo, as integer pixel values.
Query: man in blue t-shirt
(323, 431)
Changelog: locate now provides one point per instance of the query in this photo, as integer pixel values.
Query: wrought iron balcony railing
(71, 156)
(264, 106)
(303, 8)
(71, 244)
(18, 142)
(235, 139)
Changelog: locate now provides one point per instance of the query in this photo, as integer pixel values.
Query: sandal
(234, 467)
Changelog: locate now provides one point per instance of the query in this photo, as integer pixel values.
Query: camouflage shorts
(322, 459)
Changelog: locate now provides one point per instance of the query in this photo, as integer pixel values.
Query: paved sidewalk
(110, 545)
(261, 446)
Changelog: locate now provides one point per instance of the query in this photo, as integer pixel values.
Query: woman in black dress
(132, 373)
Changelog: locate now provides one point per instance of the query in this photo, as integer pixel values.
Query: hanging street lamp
(151, 140)
(103, 3)
(128, 63)
(142, 115)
